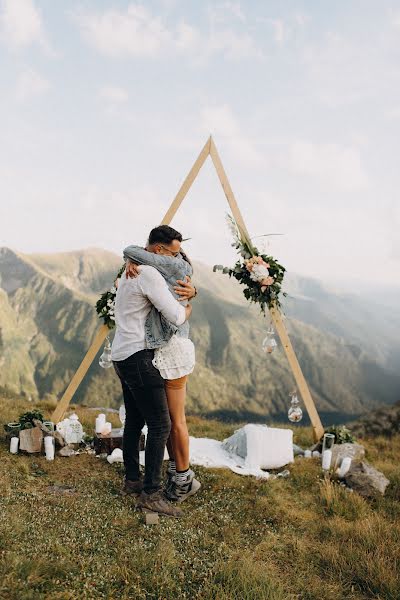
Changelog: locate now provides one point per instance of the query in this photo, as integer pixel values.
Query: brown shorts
(176, 384)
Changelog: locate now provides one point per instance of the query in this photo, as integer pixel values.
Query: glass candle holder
(49, 426)
(328, 442)
(14, 429)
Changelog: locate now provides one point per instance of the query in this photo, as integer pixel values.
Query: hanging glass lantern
(295, 414)
(105, 360)
(269, 342)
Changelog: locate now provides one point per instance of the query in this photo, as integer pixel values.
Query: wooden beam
(187, 184)
(63, 404)
(318, 430)
(226, 186)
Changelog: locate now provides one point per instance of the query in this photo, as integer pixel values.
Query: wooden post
(63, 404)
(187, 184)
(226, 186)
(318, 430)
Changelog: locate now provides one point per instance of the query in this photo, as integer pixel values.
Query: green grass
(296, 538)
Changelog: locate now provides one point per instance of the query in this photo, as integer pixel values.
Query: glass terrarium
(105, 360)
(295, 414)
(269, 342)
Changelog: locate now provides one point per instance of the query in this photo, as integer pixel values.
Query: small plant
(26, 420)
(341, 433)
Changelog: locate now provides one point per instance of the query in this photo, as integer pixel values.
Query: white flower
(259, 272)
(113, 290)
(112, 318)
(109, 302)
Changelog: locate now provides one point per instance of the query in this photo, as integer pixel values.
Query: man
(143, 387)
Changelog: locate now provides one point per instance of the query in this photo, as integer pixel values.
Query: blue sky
(104, 106)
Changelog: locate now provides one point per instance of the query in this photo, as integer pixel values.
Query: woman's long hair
(185, 257)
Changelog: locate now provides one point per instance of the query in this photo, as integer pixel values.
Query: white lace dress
(176, 359)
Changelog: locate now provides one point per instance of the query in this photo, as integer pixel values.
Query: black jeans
(145, 402)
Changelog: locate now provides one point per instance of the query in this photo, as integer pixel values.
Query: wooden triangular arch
(209, 149)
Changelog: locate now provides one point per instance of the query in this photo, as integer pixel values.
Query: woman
(174, 354)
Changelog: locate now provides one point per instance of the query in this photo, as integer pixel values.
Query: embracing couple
(153, 356)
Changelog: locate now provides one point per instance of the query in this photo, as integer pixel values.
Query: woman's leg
(179, 438)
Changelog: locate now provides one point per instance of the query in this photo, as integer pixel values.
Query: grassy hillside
(47, 322)
(240, 539)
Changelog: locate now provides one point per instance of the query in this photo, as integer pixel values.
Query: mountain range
(347, 344)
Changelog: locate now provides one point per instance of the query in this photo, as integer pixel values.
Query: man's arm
(154, 286)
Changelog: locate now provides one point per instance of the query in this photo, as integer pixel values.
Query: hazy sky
(105, 104)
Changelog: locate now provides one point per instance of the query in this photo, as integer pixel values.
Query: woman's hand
(185, 290)
(131, 270)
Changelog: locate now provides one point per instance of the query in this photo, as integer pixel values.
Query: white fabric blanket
(260, 448)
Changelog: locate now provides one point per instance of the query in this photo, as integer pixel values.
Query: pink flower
(266, 282)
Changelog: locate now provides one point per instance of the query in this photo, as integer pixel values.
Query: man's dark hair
(164, 234)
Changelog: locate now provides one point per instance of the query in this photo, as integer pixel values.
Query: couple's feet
(164, 502)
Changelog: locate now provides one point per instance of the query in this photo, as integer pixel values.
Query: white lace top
(176, 359)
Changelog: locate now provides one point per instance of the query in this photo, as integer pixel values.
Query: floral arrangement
(105, 305)
(261, 275)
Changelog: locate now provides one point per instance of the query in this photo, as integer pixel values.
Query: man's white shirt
(135, 297)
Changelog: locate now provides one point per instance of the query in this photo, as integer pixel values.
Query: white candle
(345, 466)
(106, 428)
(49, 447)
(14, 443)
(326, 459)
(307, 454)
(100, 422)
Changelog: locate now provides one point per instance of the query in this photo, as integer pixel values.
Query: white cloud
(20, 23)
(396, 20)
(335, 164)
(221, 121)
(222, 12)
(136, 32)
(232, 45)
(113, 94)
(393, 113)
(31, 84)
(281, 32)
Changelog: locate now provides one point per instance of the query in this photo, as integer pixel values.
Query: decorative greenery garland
(105, 305)
(261, 274)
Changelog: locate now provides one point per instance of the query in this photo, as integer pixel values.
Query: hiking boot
(183, 491)
(158, 503)
(132, 488)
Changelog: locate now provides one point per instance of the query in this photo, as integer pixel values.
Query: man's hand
(185, 290)
(131, 269)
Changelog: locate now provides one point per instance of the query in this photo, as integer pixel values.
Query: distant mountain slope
(47, 321)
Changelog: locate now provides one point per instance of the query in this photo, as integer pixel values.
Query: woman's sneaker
(158, 503)
(180, 492)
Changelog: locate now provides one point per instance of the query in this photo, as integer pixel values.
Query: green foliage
(106, 303)
(342, 434)
(27, 418)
